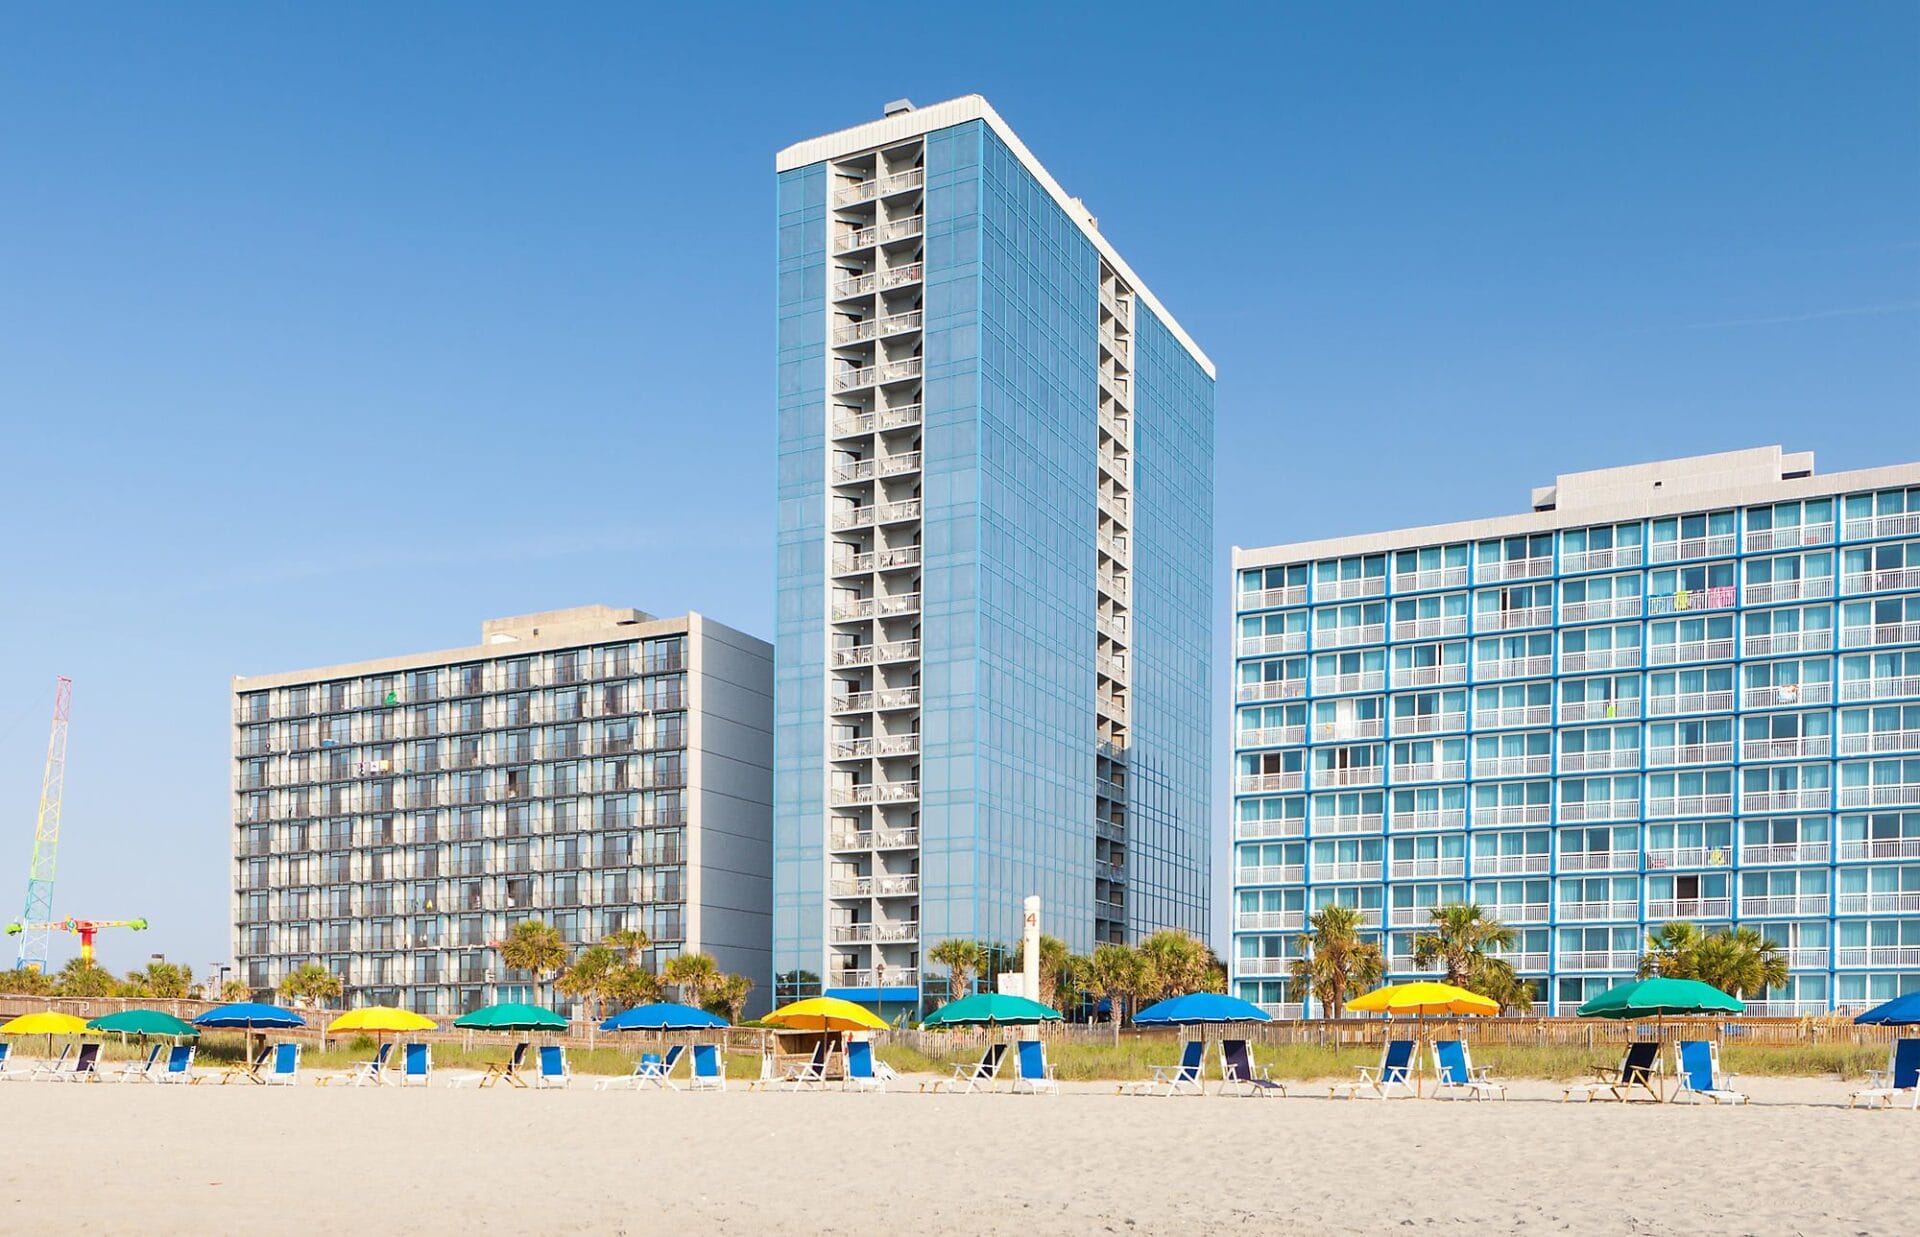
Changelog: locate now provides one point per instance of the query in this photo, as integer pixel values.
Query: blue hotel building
(1681, 690)
(995, 528)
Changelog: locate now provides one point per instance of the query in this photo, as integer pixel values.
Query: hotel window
(1691, 536)
(1888, 513)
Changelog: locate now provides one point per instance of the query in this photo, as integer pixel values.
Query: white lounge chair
(1453, 1070)
(1188, 1075)
(982, 1073)
(286, 1066)
(709, 1069)
(416, 1064)
(1034, 1076)
(1382, 1081)
(139, 1071)
(179, 1067)
(554, 1070)
(813, 1075)
(1238, 1071)
(861, 1075)
(1901, 1078)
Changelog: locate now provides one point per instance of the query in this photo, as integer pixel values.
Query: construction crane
(82, 928)
(36, 922)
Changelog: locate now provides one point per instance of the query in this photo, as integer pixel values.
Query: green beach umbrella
(984, 1009)
(512, 1017)
(1660, 997)
(143, 1022)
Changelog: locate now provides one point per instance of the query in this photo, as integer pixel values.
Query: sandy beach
(112, 1159)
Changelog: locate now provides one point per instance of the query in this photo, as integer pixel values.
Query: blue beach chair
(1188, 1075)
(709, 1069)
(179, 1066)
(860, 1071)
(982, 1073)
(416, 1064)
(1035, 1075)
(1697, 1064)
(364, 1073)
(1394, 1073)
(1900, 1078)
(1453, 1070)
(286, 1066)
(1238, 1072)
(7, 1072)
(553, 1068)
(140, 1071)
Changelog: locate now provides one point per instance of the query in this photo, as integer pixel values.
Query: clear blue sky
(327, 333)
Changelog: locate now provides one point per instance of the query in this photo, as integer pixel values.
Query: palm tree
(1741, 961)
(695, 975)
(1335, 959)
(729, 996)
(163, 980)
(1494, 979)
(534, 945)
(84, 977)
(962, 958)
(1462, 938)
(1118, 973)
(627, 985)
(1055, 968)
(589, 975)
(629, 943)
(1177, 963)
(1673, 951)
(235, 990)
(314, 983)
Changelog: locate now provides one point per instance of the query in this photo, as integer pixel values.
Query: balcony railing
(1334, 637)
(1273, 736)
(1511, 865)
(1599, 659)
(1600, 761)
(1262, 783)
(1794, 535)
(1423, 581)
(1347, 872)
(1275, 874)
(1600, 809)
(1272, 689)
(1666, 757)
(1599, 959)
(880, 187)
(1786, 852)
(883, 977)
(1807, 588)
(1279, 642)
(1416, 869)
(876, 328)
(1786, 749)
(1431, 818)
(1430, 771)
(1512, 814)
(876, 839)
(1358, 775)
(1902, 902)
(874, 933)
(1428, 676)
(1689, 857)
(1514, 715)
(886, 699)
(1428, 628)
(1603, 608)
(1261, 966)
(1269, 921)
(1688, 908)
(876, 887)
(1275, 827)
(877, 745)
(1885, 578)
(1515, 667)
(1598, 861)
(1689, 702)
(1689, 651)
(1784, 904)
(1577, 561)
(880, 234)
(1512, 766)
(1886, 794)
(1341, 590)
(1879, 689)
(1775, 644)
(1428, 723)
(1267, 599)
(870, 792)
(1600, 710)
(1346, 822)
(1689, 805)
(1877, 955)
(1859, 743)
(1624, 909)
(1880, 848)
(1813, 798)
(1518, 568)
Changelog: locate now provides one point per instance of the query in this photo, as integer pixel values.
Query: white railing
(1268, 921)
(1877, 955)
(1884, 578)
(1262, 783)
(880, 187)
(1422, 581)
(1278, 642)
(1273, 736)
(1278, 827)
(1600, 710)
(1262, 966)
(871, 933)
(1431, 771)
(1689, 805)
(1270, 874)
(1364, 681)
(1511, 766)
(1597, 762)
(1892, 524)
(1346, 822)
(1339, 590)
(1786, 749)
(1416, 869)
(1860, 742)
(1324, 872)
(1689, 702)
(1511, 865)
(1518, 568)
(1603, 608)
(876, 328)
(900, 276)
(1599, 659)
(1515, 715)
(1524, 962)
(1887, 794)
(884, 977)
(1880, 848)
(1267, 599)
(1515, 667)
(1879, 689)
(1333, 637)
(1903, 902)
(1428, 723)
(871, 792)
(1688, 908)
(1691, 547)
(1272, 689)
(1425, 628)
(1600, 809)
(875, 654)
(858, 285)
(1879, 634)
(1773, 592)
(1356, 775)
(1792, 535)
(1689, 857)
(876, 746)
(1785, 852)
(1812, 798)
(880, 233)
(1599, 959)
(1521, 912)
(1784, 904)
(1431, 818)
(1512, 814)
(1428, 676)
(1600, 910)
(1599, 860)
(1575, 561)
(1689, 754)
(876, 887)
(1506, 620)
(1776, 643)
(1689, 650)
(889, 698)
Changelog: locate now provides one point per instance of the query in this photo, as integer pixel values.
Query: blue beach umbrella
(249, 1016)
(1197, 1008)
(1901, 1011)
(663, 1016)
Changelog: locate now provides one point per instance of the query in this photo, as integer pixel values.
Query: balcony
(880, 977)
(876, 839)
(1688, 857)
(1346, 872)
(1683, 651)
(1879, 689)
(1357, 775)
(1599, 959)
(1273, 736)
(1428, 676)
(1264, 783)
(1428, 723)
(1515, 667)
(1689, 805)
(876, 746)
(1512, 814)
(1880, 848)
(1514, 715)
(1429, 628)
(1346, 822)
(1619, 909)
(888, 699)
(876, 375)
(1691, 547)
(1518, 568)
(1599, 761)
(1268, 599)
(880, 234)
(1663, 909)
(876, 607)
(875, 654)
(1806, 799)
(1417, 869)
(1784, 904)
(880, 466)
(1600, 710)
(1344, 684)
(1511, 865)
(876, 887)
(1526, 962)
(1507, 620)
(1689, 754)
(873, 933)
(1786, 852)
(1888, 794)
(1599, 659)
(1274, 874)
(1278, 827)
(1342, 590)
(1773, 592)
(1786, 749)
(1334, 637)
(1897, 902)
(1425, 581)
(1598, 861)
(1512, 766)
(880, 187)
(876, 328)
(1886, 578)
(1879, 634)
(1280, 642)
(870, 792)
(1272, 689)
(1594, 611)
(1576, 561)
(1689, 702)
(1892, 524)
(1860, 743)
(1788, 537)
(1429, 771)
(1779, 643)
(1269, 921)
(1521, 912)
(1115, 505)
(1418, 821)
(862, 423)
(1261, 966)
(1877, 955)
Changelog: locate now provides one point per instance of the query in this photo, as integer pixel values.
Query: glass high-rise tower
(995, 531)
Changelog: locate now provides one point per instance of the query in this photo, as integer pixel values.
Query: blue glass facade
(1591, 722)
(946, 735)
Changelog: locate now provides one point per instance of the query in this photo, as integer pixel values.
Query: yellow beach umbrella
(48, 1023)
(1422, 999)
(380, 1019)
(825, 1013)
